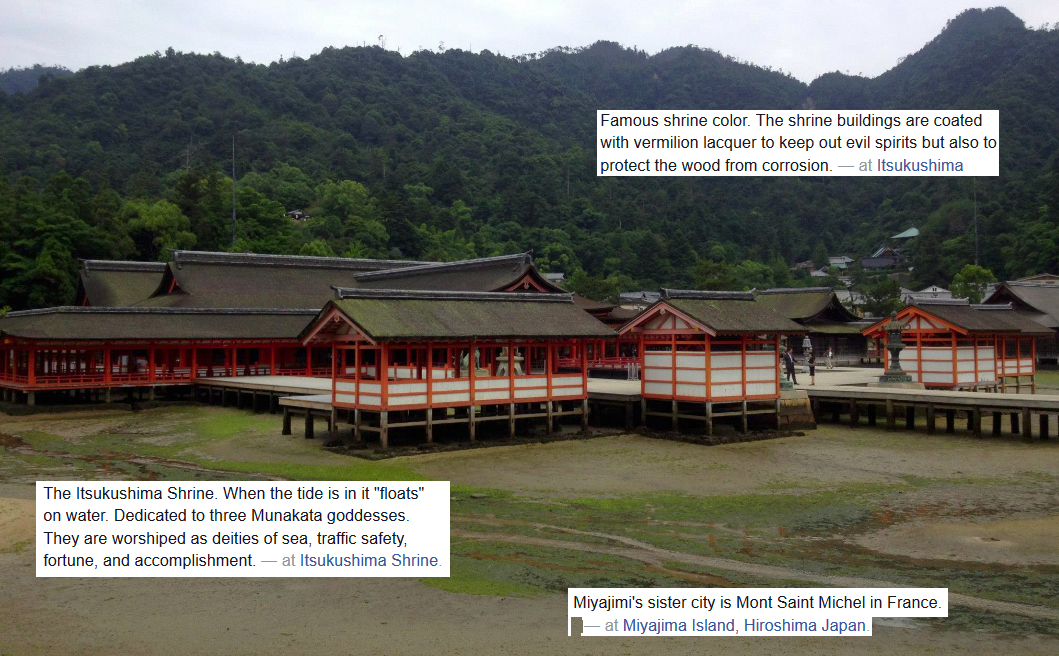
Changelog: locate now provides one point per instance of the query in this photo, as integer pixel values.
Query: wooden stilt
(976, 422)
(551, 423)
(931, 427)
(272, 403)
(996, 423)
(309, 425)
(910, 417)
(384, 429)
(676, 422)
(429, 426)
(854, 414)
(872, 411)
(31, 398)
(1014, 423)
(746, 422)
(358, 435)
(333, 423)
(286, 422)
(643, 411)
(709, 418)
(1043, 420)
(1027, 428)
(470, 420)
(950, 421)
(511, 419)
(891, 420)
(584, 416)
(629, 414)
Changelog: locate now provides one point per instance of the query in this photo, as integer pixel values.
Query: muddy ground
(835, 507)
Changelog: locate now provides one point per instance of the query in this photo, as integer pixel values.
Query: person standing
(812, 367)
(830, 358)
(788, 361)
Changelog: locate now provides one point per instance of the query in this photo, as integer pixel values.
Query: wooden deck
(852, 401)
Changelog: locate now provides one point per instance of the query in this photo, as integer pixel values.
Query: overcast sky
(804, 37)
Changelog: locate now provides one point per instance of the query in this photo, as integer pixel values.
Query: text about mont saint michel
(272, 528)
(798, 143)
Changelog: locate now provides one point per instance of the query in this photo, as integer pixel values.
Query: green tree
(157, 229)
(971, 282)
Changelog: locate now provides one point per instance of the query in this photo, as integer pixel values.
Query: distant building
(884, 258)
(933, 292)
(839, 262)
(828, 322)
(298, 215)
(555, 277)
(906, 235)
(1038, 298)
(820, 273)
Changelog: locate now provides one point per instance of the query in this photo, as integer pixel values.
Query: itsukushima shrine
(710, 354)
(388, 344)
(956, 345)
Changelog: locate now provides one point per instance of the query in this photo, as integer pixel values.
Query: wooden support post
(970, 420)
(106, 397)
(643, 405)
(891, 420)
(776, 409)
(872, 411)
(429, 426)
(746, 422)
(1027, 427)
(709, 417)
(358, 435)
(286, 422)
(224, 398)
(309, 433)
(551, 424)
(511, 419)
(150, 393)
(1043, 419)
(333, 423)
(910, 417)
(31, 398)
(629, 415)
(930, 419)
(384, 429)
(676, 422)
(1014, 423)
(272, 403)
(976, 422)
(470, 420)
(584, 415)
(950, 421)
(996, 423)
(854, 414)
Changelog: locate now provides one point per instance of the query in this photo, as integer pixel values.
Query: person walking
(788, 361)
(812, 367)
(829, 361)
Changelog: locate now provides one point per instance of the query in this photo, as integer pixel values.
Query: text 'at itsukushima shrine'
(399, 344)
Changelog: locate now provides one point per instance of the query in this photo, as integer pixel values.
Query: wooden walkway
(861, 401)
(854, 404)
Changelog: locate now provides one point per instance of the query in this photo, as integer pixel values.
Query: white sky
(804, 37)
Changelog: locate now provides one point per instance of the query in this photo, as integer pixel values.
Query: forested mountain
(451, 154)
(18, 80)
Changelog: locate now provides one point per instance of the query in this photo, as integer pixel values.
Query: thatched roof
(723, 312)
(805, 304)
(1041, 298)
(389, 314)
(116, 283)
(247, 280)
(995, 318)
(94, 323)
(487, 274)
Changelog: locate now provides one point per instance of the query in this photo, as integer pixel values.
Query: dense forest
(448, 154)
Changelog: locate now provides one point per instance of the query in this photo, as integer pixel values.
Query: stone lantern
(894, 373)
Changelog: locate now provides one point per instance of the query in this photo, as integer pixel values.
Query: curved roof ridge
(266, 259)
(441, 295)
(87, 266)
(707, 295)
(521, 259)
